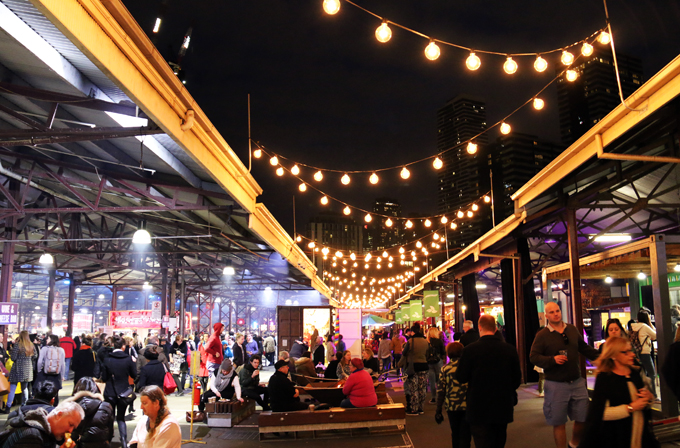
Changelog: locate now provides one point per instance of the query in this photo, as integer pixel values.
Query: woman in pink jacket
(359, 388)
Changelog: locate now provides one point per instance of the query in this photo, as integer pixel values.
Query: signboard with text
(138, 319)
(8, 313)
(82, 322)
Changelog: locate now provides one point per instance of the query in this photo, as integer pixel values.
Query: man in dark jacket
(282, 393)
(160, 355)
(298, 349)
(40, 429)
(491, 369)
(470, 335)
(117, 368)
(249, 379)
(153, 372)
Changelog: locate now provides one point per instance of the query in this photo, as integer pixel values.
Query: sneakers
(411, 413)
(433, 401)
(421, 412)
(541, 394)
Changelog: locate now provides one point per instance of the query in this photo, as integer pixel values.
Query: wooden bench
(229, 413)
(381, 416)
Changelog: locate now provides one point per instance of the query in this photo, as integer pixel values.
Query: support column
(114, 298)
(575, 279)
(458, 316)
(662, 303)
(164, 298)
(7, 270)
(634, 297)
(182, 306)
(50, 298)
(509, 306)
(519, 318)
(71, 304)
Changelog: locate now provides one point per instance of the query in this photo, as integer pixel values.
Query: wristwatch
(630, 409)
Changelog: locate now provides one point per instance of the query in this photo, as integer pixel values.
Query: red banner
(137, 319)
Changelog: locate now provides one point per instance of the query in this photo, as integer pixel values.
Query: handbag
(4, 385)
(169, 384)
(127, 397)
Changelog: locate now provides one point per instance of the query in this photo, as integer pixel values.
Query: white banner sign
(156, 310)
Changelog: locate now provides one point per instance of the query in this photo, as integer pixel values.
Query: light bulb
(475, 207)
(608, 279)
(409, 224)
(428, 223)
(473, 62)
(140, 236)
(402, 250)
(325, 251)
(346, 210)
(257, 153)
(295, 170)
(444, 220)
(352, 256)
(586, 49)
(437, 163)
(432, 51)
(487, 198)
(505, 128)
(279, 171)
(510, 66)
(318, 176)
(571, 75)
(303, 187)
(298, 238)
(454, 226)
(368, 218)
(324, 200)
(540, 64)
(367, 258)
(388, 222)
(274, 161)
(339, 254)
(373, 179)
(311, 245)
(419, 244)
(385, 254)
(331, 6)
(471, 148)
(345, 179)
(435, 236)
(604, 38)
(460, 214)
(538, 103)
(469, 213)
(405, 173)
(383, 33)
(48, 259)
(641, 276)
(567, 58)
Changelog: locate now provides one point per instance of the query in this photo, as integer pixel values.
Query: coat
(670, 371)
(142, 359)
(96, 429)
(304, 366)
(152, 374)
(22, 369)
(83, 363)
(240, 356)
(203, 370)
(168, 434)
(360, 390)
(69, 346)
(31, 430)
(469, 337)
(214, 346)
(245, 377)
(117, 368)
(281, 392)
(490, 366)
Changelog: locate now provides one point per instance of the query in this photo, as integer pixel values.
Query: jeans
(13, 390)
(386, 363)
(345, 403)
(460, 429)
(648, 365)
(433, 377)
(66, 370)
(397, 357)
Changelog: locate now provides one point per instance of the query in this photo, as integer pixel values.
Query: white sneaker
(542, 394)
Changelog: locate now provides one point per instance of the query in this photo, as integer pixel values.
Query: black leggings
(119, 408)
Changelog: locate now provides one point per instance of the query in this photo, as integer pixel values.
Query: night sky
(325, 92)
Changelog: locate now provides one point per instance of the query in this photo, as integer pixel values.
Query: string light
(444, 220)
(331, 6)
(475, 207)
(346, 210)
(298, 239)
(487, 198)
(373, 179)
(586, 49)
(274, 161)
(324, 200)
(505, 128)
(405, 173)
(437, 163)
(538, 103)
(409, 224)
(295, 170)
(318, 176)
(345, 179)
(428, 223)
(388, 222)
(383, 33)
(257, 153)
(571, 75)
(368, 218)
(604, 38)
(471, 148)
(432, 51)
(540, 64)
(454, 226)
(470, 214)
(510, 66)
(460, 214)
(279, 171)
(567, 58)
(473, 62)
(303, 187)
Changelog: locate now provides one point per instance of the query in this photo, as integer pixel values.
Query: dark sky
(325, 92)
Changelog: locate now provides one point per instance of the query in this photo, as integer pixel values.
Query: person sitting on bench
(283, 395)
(359, 388)
(249, 379)
(224, 385)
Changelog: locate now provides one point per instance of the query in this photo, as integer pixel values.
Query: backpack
(634, 337)
(432, 354)
(51, 362)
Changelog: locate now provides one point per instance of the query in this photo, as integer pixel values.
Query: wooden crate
(239, 412)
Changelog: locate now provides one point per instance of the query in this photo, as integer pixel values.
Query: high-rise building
(335, 231)
(516, 159)
(464, 177)
(595, 93)
(378, 235)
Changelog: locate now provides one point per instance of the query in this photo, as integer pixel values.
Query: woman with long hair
(96, 429)
(436, 354)
(22, 355)
(51, 363)
(178, 364)
(645, 332)
(342, 371)
(619, 413)
(84, 360)
(158, 428)
(613, 328)
(118, 367)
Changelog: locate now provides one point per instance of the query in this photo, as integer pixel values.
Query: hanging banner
(398, 317)
(156, 310)
(57, 308)
(406, 312)
(416, 310)
(431, 304)
(137, 319)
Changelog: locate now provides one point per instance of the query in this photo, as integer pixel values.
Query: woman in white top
(51, 363)
(158, 428)
(646, 333)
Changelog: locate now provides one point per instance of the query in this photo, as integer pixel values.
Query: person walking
(451, 398)
(51, 364)
(397, 346)
(643, 332)
(179, 364)
(240, 356)
(214, 350)
(118, 367)
(23, 353)
(203, 374)
(385, 352)
(251, 346)
(490, 367)
(269, 347)
(469, 335)
(556, 350)
(330, 349)
(619, 415)
(84, 360)
(414, 361)
(153, 372)
(435, 360)
(69, 346)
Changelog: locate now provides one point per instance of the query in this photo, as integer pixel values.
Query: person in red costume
(214, 350)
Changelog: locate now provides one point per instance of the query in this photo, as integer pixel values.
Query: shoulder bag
(169, 384)
(127, 397)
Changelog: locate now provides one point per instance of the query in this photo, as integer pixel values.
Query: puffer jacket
(96, 429)
(30, 429)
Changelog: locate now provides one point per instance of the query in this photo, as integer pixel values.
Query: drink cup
(563, 353)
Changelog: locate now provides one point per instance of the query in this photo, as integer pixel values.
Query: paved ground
(528, 430)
